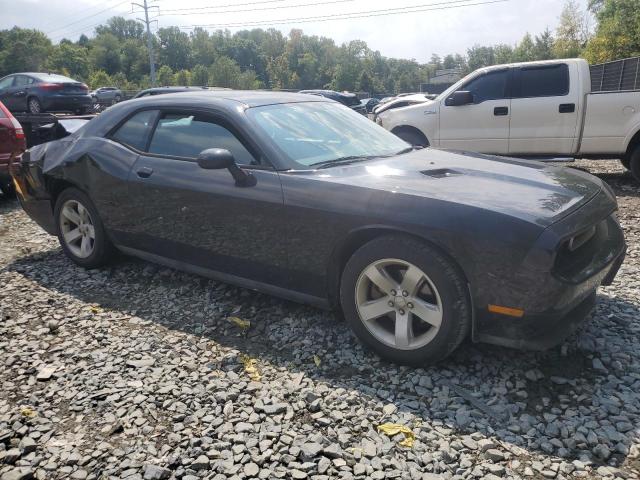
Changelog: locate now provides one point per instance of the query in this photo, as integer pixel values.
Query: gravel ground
(137, 371)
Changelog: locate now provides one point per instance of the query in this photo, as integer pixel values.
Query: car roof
(248, 98)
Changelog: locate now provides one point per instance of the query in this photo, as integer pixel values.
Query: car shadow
(499, 392)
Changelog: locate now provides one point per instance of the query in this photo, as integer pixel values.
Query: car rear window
(135, 131)
(543, 81)
(53, 78)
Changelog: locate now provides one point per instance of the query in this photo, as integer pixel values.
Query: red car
(12, 144)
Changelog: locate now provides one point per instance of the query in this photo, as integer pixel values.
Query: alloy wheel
(398, 303)
(34, 105)
(77, 229)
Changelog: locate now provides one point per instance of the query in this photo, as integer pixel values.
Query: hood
(529, 190)
(402, 102)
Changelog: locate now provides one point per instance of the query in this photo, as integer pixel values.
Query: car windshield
(310, 133)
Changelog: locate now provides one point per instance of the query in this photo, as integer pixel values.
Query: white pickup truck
(544, 109)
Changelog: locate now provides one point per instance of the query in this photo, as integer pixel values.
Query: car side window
(6, 82)
(21, 80)
(490, 86)
(135, 131)
(543, 81)
(186, 135)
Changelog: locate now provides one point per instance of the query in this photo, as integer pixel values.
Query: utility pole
(152, 67)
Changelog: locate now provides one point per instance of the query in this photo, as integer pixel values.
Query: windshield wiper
(343, 161)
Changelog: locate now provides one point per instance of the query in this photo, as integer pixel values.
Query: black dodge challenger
(301, 197)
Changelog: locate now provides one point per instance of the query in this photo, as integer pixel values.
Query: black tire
(445, 275)
(103, 249)
(634, 163)
(34, 105)
(412, 137)
(626, 162)
(8, 189)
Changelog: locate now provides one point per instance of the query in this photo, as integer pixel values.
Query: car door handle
(21, 93)
(144, 172)
(567, 108)
(501, 111)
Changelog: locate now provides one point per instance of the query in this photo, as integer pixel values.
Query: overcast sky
(441, 29)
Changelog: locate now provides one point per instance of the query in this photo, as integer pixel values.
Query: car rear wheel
(34, 105)
(80, 230)
(405, 300)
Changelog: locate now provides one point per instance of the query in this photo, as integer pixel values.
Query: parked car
(176, 89)
(44, 92)
(369, 104)
(401, 101)
(107, 95)
(301, 197)
(533, 109)
(12, 144)
(345, 98)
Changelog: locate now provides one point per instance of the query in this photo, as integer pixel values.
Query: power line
(347, 16)
(88, 16)
(166, 12)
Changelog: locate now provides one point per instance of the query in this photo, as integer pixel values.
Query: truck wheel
(634, 163)
(405, 300)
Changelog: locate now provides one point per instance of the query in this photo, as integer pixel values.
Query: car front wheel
(405, 300)
(80, 230)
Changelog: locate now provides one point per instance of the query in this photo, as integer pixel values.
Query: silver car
(107, 95)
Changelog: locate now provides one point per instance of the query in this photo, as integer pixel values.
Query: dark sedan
(301, 197)
(44, 92)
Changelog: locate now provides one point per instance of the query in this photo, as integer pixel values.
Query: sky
(442, 27)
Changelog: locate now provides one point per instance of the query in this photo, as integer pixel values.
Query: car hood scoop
(440, 172)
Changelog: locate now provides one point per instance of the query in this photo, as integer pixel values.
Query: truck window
(490, 86)
(542, 81)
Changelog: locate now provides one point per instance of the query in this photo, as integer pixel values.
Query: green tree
(23, 50)
(544, 46)
(224, 72)
(175, 48)
(199, 76)
(572, 33)
(525, 51)
(165, 76)
(479, 56)
(105, 53)
(182, 77)
(99, 79)
(617, 33)
(71, 58)
(122, 28)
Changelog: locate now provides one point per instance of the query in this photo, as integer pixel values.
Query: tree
(99, 79)
(175, 48)
(165, 76)
(365, 83)
(525, 51)
(478, 57)
(199, 76)
(23, 50)
(572, 32)
(618, 31)
(122, 28)
(105, 53)
(70, 58)
(544, 46)
(224, 72)
(182, 77)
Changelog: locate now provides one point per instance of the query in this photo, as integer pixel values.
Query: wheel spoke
(91, 232)
(427, 312)
(374, 308)
(411, 280)
(403, 330)
(72, 235)
(380, 278)
(85, 246)
(82, 212)
(70, 215)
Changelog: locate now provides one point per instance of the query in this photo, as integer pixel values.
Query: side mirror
(219, 158)
(461, 97)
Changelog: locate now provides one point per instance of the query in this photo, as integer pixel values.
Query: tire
(34, 105)
(634, 163)
(81, 111)
(412, 137)
(8, 189)
(626, 162)
(100, 250)
(442, 290)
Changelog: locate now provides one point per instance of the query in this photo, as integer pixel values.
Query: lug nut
(409, 305)
(390, 303)
(405, 293)
(401, 312)
(394, 293)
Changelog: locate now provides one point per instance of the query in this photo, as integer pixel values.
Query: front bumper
(555, 287)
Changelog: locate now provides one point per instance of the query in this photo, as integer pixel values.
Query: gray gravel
(136, 371)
